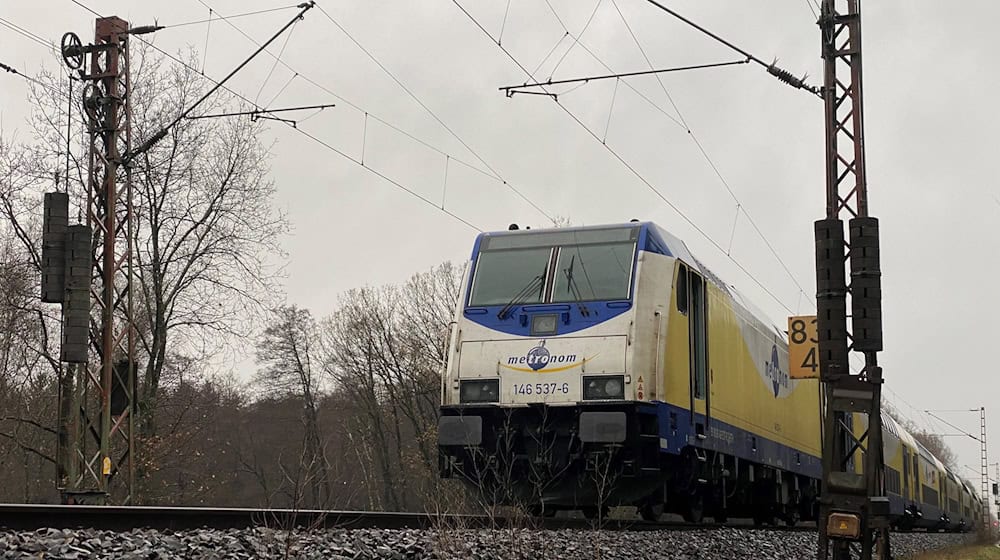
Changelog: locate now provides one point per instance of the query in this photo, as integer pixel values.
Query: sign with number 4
(803, 347)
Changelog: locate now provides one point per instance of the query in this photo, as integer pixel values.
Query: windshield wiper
(538, 282)
(574, 288)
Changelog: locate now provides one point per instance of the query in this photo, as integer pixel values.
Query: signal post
(853, 509)
(88, 269)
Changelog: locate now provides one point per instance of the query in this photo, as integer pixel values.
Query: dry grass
(977, 552)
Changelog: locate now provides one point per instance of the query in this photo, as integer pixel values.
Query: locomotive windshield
(508, 274)
(554, 266)
(593, 272)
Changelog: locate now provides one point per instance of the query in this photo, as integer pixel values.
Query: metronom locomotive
(601, 366)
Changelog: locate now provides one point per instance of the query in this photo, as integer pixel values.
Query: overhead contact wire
(632, 169)
(234, 16)
(208, 33)
(600, 61)
(504, 24)
(303, 132)
(782, 75)
(576, 38)
(649, 62)
(275, 65)
(725, 183)
(28, 34)
(434, 115)
(552, 50)
(492, 174)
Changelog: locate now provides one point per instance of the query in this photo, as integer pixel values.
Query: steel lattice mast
(100, 422)
(102, 449)
(853, 486)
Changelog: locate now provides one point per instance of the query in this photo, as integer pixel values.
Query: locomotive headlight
(479, 391)
(604, 387)
(613, 387)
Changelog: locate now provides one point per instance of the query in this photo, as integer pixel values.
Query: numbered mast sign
(803, 347)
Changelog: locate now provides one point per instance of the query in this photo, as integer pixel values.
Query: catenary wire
(740, 206)
(492, 173)
(659, 79)
(208, 34)
(275, 65)
(504, 24)
(771, 68)
(244, 14)
(435, 116)
(307, 134)
(32, 79)
(577, 38)
(634, 89)
(552, 50)
(631, 169)
(27, 34)
(600, 61)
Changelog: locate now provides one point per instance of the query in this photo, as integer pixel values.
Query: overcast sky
(930, 85)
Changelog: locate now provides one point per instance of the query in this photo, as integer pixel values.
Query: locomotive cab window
(554, 267)
(593, 272)
(504, 275)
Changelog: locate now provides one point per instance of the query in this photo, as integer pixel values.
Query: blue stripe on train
(678, 431)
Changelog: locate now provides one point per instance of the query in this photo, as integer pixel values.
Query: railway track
(109, 532)
(123, 518)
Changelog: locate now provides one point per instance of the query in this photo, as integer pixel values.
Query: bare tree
(385, 347)
(206, 232)
(27, 366)
(206, 229)
(286, 354)
(206, 223)
(936, 445)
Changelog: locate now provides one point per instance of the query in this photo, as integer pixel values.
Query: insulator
(786, 77)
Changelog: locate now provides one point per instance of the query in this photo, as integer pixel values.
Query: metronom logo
(778, 378)
(539, 357)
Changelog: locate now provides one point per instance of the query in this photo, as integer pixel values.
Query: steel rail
(120, 518)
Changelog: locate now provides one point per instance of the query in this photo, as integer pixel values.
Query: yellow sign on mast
(803, 348)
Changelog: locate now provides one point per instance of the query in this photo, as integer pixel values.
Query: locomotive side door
(698, 349)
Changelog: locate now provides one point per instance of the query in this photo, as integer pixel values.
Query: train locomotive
(601, 366)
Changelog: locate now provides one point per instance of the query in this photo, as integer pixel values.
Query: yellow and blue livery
(602, 366)
(611, 353)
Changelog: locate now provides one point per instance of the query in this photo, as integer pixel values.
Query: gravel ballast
(505, 544)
